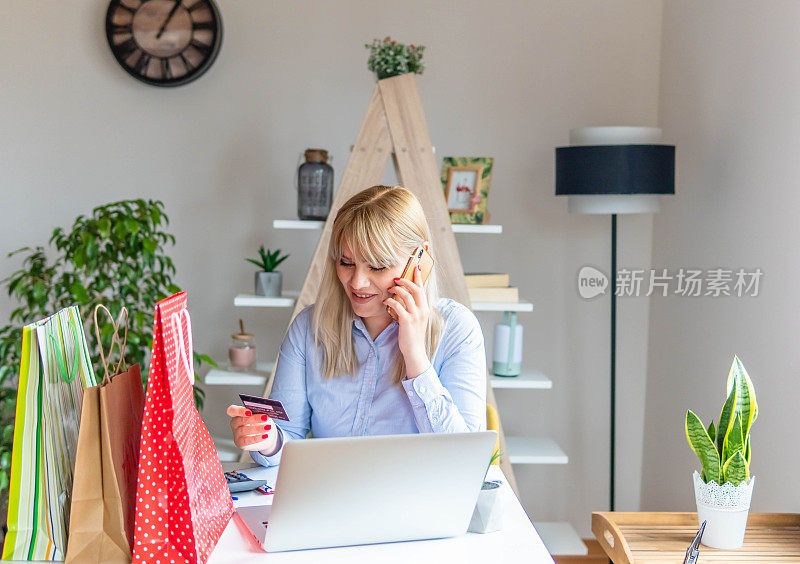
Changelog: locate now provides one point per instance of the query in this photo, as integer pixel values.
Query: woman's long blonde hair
(382, 225)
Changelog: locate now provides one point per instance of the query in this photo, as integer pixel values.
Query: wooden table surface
(656, 538)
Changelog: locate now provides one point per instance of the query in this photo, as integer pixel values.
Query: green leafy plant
(724, 451)
(116, 256)
(389, 58)
(494, 458)
(268, 260)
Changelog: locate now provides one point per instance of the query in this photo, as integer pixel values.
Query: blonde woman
(346, 368)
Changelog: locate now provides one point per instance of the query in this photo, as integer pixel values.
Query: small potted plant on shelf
(389, 58)
(268, 281)
(724, 487)
(488, 514)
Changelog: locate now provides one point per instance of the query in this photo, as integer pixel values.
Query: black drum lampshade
(615, 177)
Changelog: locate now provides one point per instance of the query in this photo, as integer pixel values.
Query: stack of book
(490, 287)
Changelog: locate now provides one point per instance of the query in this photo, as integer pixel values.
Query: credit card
(264, 406)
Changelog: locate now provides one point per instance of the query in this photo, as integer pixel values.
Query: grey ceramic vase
(488, 514)
(268, 284)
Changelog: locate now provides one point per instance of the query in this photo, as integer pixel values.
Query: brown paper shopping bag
(106, 465)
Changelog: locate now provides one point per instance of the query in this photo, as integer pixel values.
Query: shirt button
(422, 389)
(433, 419)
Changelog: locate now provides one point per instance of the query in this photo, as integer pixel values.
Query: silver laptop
(364, 490)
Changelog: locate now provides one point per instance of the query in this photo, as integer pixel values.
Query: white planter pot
(488, 514)
(725, 509)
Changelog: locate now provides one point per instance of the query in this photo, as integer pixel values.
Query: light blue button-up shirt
(449, 397)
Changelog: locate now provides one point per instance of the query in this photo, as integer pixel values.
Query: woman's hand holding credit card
(252, 425)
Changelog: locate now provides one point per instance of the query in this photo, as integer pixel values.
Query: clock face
(164, 42)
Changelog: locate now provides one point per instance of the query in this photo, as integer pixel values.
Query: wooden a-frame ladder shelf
(395, 126)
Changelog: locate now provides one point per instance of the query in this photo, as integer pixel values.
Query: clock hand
(169, 17)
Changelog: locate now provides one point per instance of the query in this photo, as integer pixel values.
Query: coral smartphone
(419, 257)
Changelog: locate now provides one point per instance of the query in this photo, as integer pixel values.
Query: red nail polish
(248, 413)
(419, 267)
(264, 436)
(267, 427)
(396, 279)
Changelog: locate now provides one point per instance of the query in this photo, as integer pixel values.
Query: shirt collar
(358, 324)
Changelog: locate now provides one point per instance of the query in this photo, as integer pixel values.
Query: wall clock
(164, 42)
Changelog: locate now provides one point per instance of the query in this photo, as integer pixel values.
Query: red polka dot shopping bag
(182, 501)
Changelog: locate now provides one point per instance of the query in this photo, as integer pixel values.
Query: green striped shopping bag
(54, 370)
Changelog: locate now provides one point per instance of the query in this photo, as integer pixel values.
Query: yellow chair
(493, 424)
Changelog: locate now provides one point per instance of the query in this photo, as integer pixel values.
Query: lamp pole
(613, 372)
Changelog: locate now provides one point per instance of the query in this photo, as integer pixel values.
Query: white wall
(729, 99)
(504, 79)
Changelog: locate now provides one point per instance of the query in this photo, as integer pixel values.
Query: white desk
(517, 541)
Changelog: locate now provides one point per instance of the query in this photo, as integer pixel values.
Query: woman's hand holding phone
(410, 304)
(252, 432)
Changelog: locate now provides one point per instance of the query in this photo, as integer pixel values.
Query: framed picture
(466, 183)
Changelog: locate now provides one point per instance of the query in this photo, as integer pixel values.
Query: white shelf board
(488, 229)
(502, 306)
(529, 379)
(560, 538)
(534, 450)
(227, 376)
(287, 299)
(297, 224)
(312, 225)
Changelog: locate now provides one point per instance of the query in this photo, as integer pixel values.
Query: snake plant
(724, 450)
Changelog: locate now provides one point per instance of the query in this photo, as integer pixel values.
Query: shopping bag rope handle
(177, 340)
(121, 366)
(68, 376)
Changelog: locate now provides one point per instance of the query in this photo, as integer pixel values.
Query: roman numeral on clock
(204, 48)
(126, 48)
(166, 70)
(210, 25)
(122, 29)
(189, 66)
(141, 64)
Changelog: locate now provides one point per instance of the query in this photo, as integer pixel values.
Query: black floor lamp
(614, 170)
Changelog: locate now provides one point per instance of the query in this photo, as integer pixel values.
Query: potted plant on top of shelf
(389, 58)
(268, 281)
(724, 488)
